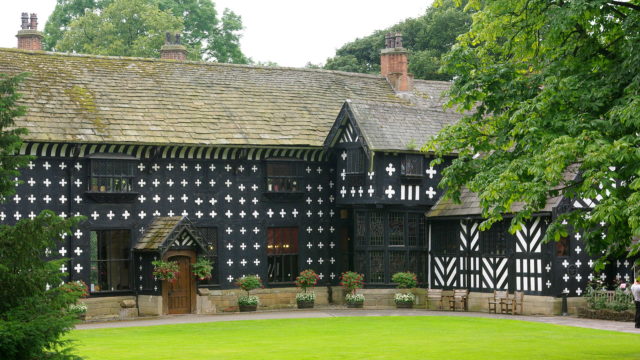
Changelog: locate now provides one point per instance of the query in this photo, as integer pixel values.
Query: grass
(357, 338)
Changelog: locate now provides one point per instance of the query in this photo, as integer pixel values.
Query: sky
(288, 32)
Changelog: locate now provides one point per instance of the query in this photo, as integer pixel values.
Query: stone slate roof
(93, 99)
(398, 126)
(470, 206)
(157, 232)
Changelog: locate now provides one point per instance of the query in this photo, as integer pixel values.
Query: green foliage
(404, 298)
(427, 38)
(202, 268)
(165, 270)
(248, 300)
(405, 280)
(598, 298)
(551, 90)
(33, 314)
(10, 141)
(307, 279)
(354, 298)
(351, 281)
(137, 28)
(248, 283)
(306, 296)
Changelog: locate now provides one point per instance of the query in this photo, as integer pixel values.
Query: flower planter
(247, 308)
(305, 304)
(404, 305)
(606, 314)
(357, 305)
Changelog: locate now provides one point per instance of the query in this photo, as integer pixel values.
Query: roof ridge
(191, 62)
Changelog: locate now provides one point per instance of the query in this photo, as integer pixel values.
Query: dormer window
(111, 176)
(355, 162)
(284, 175)
(412, 165)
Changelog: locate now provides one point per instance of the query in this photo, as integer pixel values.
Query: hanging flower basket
(202, 268)
(165, 270)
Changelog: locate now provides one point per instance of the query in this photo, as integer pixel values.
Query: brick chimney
(394, 63)
(172, 49)
(29, 38)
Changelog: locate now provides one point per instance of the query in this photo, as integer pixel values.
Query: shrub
(248, 283)
(405, 280)
(248, 300)
(76, 288)
(165, 270)
(307, 279)
(202, 268)
(351, 281)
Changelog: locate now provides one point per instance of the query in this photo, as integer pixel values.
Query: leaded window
(355, 162)
(109, 253)
(282, 254)
(376, 228)
(396, 229)
(111, 174)
(415, 229)
(412, 165)
(396, 262)
(361, 228)
(445, 237)
(376, 266)
(284, 175)
(494, 240)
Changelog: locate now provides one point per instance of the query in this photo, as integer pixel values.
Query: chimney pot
(172, 49)
(29, 38)
(394, 63)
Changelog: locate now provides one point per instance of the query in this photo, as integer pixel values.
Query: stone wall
(218, 301)
(150, 305)
(111, 308)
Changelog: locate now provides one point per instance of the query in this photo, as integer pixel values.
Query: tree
(123, 28)
(33, 314)
(206, 36)
(551, 91)
(427, 38)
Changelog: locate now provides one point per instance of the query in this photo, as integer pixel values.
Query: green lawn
(358, 338)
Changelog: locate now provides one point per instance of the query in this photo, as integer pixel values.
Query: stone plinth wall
(111, 308)
(218, 301)
(149, 305)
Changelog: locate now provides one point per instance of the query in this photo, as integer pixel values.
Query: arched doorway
(180, 296)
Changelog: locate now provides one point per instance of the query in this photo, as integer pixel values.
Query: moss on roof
(82, 98)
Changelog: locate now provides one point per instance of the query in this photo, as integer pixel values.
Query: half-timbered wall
(219, 188)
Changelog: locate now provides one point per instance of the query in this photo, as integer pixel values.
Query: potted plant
(79, 310)
(404, 280)
(307, 279)
(247, 283)
(350, 282)
(202, 268)
(165, 270)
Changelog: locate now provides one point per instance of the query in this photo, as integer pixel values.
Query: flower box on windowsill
(111, 197)
(284, 195)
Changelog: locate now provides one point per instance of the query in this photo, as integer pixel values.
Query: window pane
(109, 260)
(562, 246)
(414, 225)
(396, 229)
(376, 229)
(412, 165)
(396, 262)
(355, 161)
(360, 262)
(376, 261)
(282, 254)
(361, 228)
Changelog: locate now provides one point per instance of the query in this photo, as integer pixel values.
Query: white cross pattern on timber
(254, 168)
(126, 214)
(308, 170)
(243, 246)
(332, 275)
(579, 291)
(320, 261)
(243, 231)
(78, 233)
(565, 278)
(241, 187)
(343, 155)
(390, 169)
(243, 262)
(229, 262)
(46, 182)
(198, 182)
(62, 199)
(548, 284)
(343, 191)
(212, 183)
(184, 198)
(431, 171)
(309, 201)
(46, 165)
(603, 277)
(390, 192)
(332, 229)
(230, 278)
(590, 277)
(78, 267)
(308, 187)
(590, 263)
(309, 261)
(431, 193)
(142, 183)
(370, 175)
(320, 213)
(62, 251)
(343, 174)
(95, 215)
(254, 201)
(228, 198)
(170, 198)
(141, 198)
(255, 213)
(229, 246)
(199, 214)
(565, 263)
(309, 245)
(309, 229)
(242, 214)
(332, 244)
(78, 166)
(579, 277)
(256, 246)
(320, 245)
(309, 213)
(548, 268)
(184, 182)
(141, 167)
(155, 182)
(198, 201)
(319, 188)
(142, 214)
(77, 199)
(256, 230)
(62, 182)
(270, 213)
(31, 198)
(577, 236)
(294, 213)
(332, 260)
(170, 213)
(228, 167)
(110, 215)
(170, 182)
(31, 165)
(256, 261)
(370, 191)
(228, 183)
(578, 263)
(63, 268)
(578, 249)
(282, 213)
(229, 231)
(31, 182)
(626, 263)
(360, 191)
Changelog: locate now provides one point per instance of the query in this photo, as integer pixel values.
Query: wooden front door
(181, 291)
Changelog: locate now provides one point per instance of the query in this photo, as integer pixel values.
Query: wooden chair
(513, 303)
(459, 297)
(435, 295)
(499, 298)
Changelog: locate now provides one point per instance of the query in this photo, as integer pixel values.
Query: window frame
(284, 258)
(287, 181)
(493, 242)
(359, 165)
(205, 231)
(415, 171)
(103, 160)
(125, 262)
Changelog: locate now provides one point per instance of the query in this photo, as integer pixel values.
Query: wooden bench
(459, 297)
(500, 298)
(512, 303)
(435, 295)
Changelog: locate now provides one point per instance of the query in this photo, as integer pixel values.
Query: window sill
(111, 197)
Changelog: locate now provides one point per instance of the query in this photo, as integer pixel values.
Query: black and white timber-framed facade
(268, 171)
